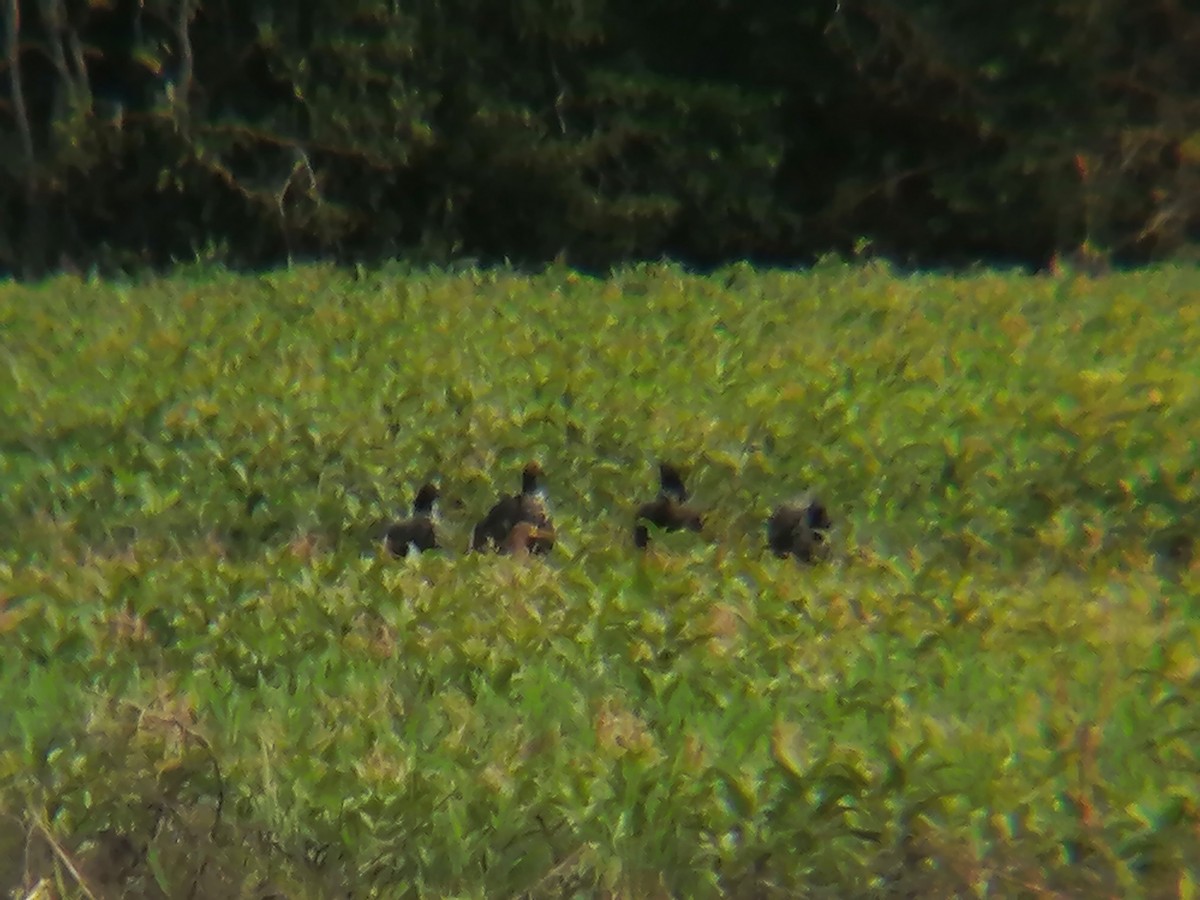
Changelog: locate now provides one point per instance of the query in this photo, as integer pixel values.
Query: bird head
(530, 475)
(670, 480)
(426, 497)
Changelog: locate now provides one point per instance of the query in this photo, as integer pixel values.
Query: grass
(214, 684)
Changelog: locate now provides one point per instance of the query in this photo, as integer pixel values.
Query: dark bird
(418, 531)
(800, 529)
(528, 506)
(669, 511)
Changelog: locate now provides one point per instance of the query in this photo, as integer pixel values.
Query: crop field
(215, 683)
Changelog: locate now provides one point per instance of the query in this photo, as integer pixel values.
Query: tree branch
(183, 86)
(13, 56)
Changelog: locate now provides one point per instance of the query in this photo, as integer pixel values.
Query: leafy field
(214, 685)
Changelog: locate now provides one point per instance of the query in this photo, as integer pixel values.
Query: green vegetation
(215, 685)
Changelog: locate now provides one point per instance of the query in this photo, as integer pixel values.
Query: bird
(800, 528)
(669, 511)
(495, 529)
(417, 532)
(525, 538)
(670, 482)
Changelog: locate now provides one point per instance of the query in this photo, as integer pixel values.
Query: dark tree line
(137, 132)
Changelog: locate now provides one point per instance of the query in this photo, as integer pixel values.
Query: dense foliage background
(146, 131)
(214, 685)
